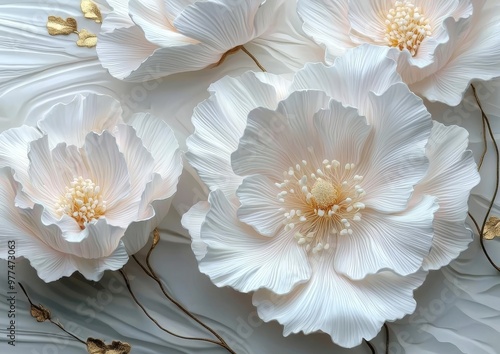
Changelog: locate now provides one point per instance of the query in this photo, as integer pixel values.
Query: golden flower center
(320, 203)
(82, 201)
(406, 26)
(324, 194)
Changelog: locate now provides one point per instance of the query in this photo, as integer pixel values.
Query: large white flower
(145, 39)
(331, 195)
(440, 45)
(84, 190)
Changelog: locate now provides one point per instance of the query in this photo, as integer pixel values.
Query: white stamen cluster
(406, 26)
(82, 201)
(320, 203)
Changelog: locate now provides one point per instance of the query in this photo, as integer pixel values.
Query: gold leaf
(91, 11)
(40, 313)
(87, 39)
(156, 238)
(57, 25)
(97, 346)
(492, 228)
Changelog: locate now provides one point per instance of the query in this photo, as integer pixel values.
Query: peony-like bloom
(440, 45)
(331, 195)
(161, 38)
(83, 190)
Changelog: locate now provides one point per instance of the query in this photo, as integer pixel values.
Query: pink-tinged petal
(451, 176)
(260, 207)
(219, 124)
(71, 122)
(395, 160)
(347, 310)
(160, 141)
(327, 22)
(275, 140)
(361, 70)
(140, 163)
(343, 132)
(107, 167)
(14, 146)
(397, 242)
(239, 257)
(192, 221)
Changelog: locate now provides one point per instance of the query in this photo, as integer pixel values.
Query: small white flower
(161, 38)
(331, 194)
(84, 190)
(440, 45)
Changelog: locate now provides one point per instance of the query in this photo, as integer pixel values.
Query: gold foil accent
(492, 228)
(40, 313)
(87, 39)
(91, 11)
(97, 346)
(58, 25)
(156, 238)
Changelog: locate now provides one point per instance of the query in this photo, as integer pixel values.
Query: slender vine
(253, 58)
(486, 122)
(372, 349)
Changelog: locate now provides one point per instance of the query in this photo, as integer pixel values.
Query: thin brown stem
(485, 141)
(253, 58)
(50, 319)
(372, 349)
(386, 338)
(127, 283)
(153, 275)
(497, 181)
(475, 223)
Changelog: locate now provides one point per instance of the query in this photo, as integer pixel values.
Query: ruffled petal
(192, 221)
(259, 205)
(451, 176)
(327, 22)
(239, 257)
(71, 122)
(93, 269)
(395, 160)
(381, 241)
(14, 146)
(367, 20)
(219, 123)
(275, 140)
(345, 309)
(361, 70)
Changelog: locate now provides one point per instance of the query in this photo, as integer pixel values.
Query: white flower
(148, 39)
(332, 195)
(440, 45)
(84, 190)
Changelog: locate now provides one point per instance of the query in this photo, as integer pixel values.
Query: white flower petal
(259, 205)
(160, 141)
(140, 163)
(192, 221)
(108, 170)
(219, 123)
(343, 132)
(14, 145)
(451, 176)
(71, 122)
(275, 140)
(93, 269)
(367, 20)
(347, 310)
(360, 71)
(327, 22)
(396, 160)
(381, 241)
(239, 257)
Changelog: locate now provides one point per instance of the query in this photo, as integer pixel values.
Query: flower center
(406, 26)
(320, 203)
(82, 201)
